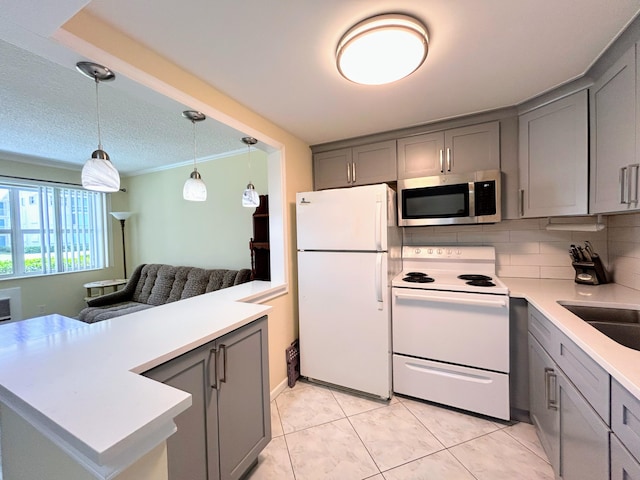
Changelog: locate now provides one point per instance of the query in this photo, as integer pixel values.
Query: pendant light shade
(194, 188)
(250, 197)
(98, 173)
(382, 49)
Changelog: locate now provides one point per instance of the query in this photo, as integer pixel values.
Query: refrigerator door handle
(378, 280)
(378, 224)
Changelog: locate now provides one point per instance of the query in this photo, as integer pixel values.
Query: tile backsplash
(524, 248)
(624, 249)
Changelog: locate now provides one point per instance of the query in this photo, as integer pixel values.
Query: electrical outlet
(41, 308)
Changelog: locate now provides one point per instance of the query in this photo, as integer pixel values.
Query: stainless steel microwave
(450, 199)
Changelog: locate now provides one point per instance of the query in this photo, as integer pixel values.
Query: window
(46, 230)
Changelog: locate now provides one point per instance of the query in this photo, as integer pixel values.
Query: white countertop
(78, 384)
(621, 362)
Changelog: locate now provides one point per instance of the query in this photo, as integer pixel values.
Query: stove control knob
(449, 251)
(458, 252)
(430, 251)
(439, 251)
(417, 251)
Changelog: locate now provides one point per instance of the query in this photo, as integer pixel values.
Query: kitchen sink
(621, 325)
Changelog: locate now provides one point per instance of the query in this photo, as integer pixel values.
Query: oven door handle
(500, 303)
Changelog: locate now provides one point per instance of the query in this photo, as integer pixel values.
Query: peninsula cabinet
(553, 159)
(361, 165)
(220, 436)
(564, 408)
(458, 150)
(614, 159)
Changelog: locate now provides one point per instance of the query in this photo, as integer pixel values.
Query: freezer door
(345, 219)
(345, 320)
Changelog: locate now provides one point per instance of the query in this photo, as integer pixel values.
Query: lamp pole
(122, 216)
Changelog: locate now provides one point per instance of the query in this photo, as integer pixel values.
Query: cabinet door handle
(348, 172)
(623, 183)
(441, 162)
(223, 351)
(213, 354)
(633, 182)
(449, 161)
(353, 167)
(552, 403)
(521, 201)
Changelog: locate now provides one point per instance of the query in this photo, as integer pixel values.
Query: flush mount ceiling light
(98, 173)
(382, 49)
(250, 197)
(194, 188)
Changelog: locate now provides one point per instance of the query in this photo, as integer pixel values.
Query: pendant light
(98, 173)
(250, 197)
(382, 49)
(194, 188)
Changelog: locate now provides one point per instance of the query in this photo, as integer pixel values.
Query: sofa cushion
(96, 314)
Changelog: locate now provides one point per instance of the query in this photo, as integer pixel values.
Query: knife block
(590, 273)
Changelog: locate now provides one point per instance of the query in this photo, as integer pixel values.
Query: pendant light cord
(98, 115)
(194, 146)
(249, 147)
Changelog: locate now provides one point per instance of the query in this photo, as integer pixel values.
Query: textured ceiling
(49, 112)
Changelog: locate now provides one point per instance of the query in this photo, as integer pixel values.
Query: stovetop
(440, 268)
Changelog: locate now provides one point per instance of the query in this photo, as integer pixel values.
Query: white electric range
(451, 334)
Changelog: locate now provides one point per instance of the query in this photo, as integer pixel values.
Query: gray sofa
(151, 285)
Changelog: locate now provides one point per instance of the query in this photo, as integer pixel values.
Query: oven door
(461, 328)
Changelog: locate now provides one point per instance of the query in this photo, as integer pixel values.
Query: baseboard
(280, 388)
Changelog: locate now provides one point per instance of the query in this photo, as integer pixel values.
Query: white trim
(279, 389)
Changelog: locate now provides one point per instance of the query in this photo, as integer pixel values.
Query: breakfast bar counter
(79, 385)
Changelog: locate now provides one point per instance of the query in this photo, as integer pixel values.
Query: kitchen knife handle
(448, 159)
(348, 172)
(623, 174)
(441, 162)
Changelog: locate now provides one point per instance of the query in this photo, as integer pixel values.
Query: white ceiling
(278, 59)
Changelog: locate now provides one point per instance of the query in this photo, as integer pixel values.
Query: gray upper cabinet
(361, 165)
(229, 421)
(458, 150)
(553, 158)
(614, 164)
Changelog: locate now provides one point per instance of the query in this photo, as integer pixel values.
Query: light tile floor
(320, 434)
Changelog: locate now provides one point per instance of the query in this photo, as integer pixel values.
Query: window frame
(72, 222)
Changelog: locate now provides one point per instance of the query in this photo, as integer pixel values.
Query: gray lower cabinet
(623, 465)
(584, 437)
(573, 434)
(543, 408)
(228, 423)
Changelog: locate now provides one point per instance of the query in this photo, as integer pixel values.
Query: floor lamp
(122, 216)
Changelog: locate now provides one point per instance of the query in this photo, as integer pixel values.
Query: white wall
(215, 233)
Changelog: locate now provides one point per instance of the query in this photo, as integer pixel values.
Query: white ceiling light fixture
(250, 197)
(194, 188)
(98, 173)
(382, 49)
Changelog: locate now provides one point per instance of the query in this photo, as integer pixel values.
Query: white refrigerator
(348, 252)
